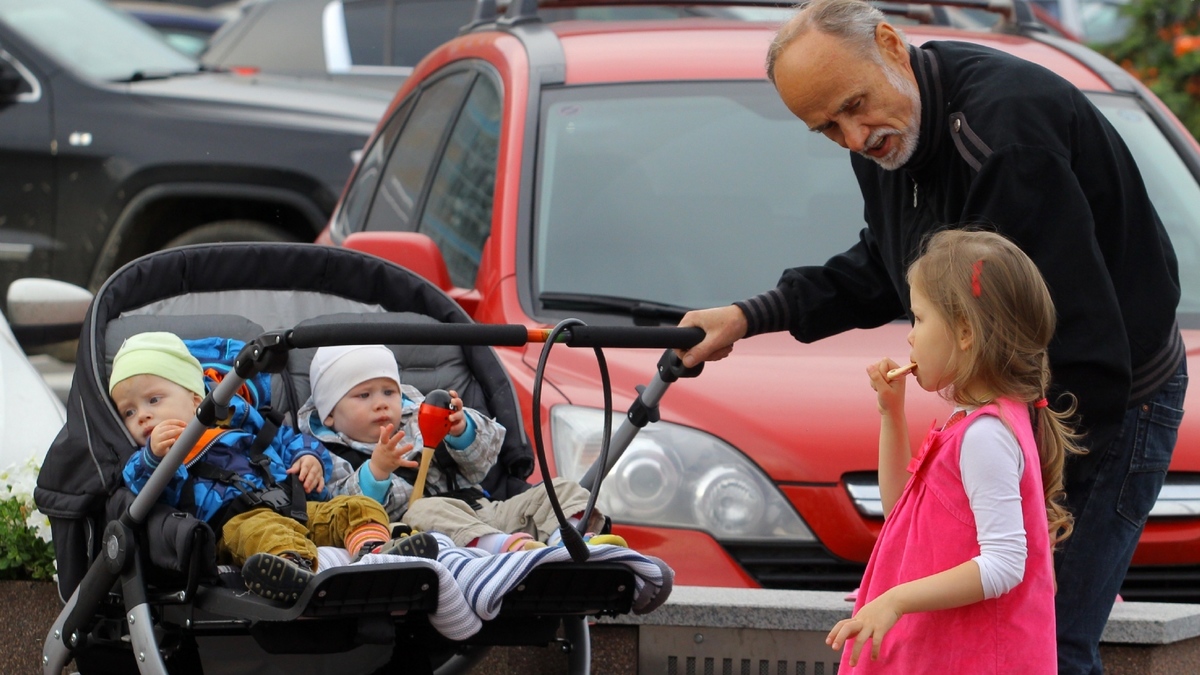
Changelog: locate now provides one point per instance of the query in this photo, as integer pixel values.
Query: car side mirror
(46, 311)
(418, 253)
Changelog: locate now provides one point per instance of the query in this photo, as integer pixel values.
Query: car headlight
(676, 476)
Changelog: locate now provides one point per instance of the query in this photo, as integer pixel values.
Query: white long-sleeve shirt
(992, 465)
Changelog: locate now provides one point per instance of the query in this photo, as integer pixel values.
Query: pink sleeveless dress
(932, 529)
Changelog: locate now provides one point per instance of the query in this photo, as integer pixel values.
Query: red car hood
(805, 413)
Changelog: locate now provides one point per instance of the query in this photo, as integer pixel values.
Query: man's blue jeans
(1111, 491)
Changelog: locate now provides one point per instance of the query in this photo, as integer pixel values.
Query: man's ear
(891, 45)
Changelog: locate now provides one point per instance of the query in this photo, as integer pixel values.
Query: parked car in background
(377, 42)
(184, 27)
(31, 413)
(108, 153)
(623, 173)
(367, 42)
(1092, 21)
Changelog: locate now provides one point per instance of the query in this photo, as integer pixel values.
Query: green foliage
(23, 555)
(1163, 51)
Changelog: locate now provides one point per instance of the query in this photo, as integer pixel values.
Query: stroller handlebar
(499, 335)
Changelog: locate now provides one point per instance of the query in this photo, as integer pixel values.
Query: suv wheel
(231, 230)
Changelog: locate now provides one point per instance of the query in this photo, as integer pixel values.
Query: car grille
(810, 567)
(807, 567)
(1162, 583)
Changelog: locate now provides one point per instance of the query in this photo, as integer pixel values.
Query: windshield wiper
(643, 312)
(143, 75)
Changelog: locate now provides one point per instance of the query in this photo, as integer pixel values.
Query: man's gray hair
(852, 20)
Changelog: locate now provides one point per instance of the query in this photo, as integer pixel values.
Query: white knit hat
(337, 370)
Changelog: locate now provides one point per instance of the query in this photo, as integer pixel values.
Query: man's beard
(906, 144)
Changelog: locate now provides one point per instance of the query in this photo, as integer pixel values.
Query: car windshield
(94, 40)
(699, 194)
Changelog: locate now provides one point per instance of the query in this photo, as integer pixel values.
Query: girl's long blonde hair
(983, 281)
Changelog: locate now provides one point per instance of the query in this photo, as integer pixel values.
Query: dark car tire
(231, 230)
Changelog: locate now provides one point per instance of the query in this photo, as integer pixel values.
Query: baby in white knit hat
(362, 412)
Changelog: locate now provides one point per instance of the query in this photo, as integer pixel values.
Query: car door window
(358, 198)
(411, 161)
(458, 211)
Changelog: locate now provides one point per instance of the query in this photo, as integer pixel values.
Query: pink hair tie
(1041, 403)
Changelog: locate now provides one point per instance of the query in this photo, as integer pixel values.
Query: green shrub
(1162, 50)
(25, 548)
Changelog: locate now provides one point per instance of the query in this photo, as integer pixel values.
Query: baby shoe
(277, 577)
(420, 545)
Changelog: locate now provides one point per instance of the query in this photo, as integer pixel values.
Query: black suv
(113, 144)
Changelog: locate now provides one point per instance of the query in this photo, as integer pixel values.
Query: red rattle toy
(433, 419)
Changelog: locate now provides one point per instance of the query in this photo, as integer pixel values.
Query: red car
(624, 172)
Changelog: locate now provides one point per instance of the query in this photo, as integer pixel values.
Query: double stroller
(140, 580)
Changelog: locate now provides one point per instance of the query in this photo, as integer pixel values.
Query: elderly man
(954, 134)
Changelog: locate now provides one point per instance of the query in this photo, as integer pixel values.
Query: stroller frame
(372, 603)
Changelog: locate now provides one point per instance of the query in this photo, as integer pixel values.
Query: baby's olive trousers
(265, 531)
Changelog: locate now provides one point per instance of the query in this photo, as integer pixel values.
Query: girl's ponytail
(1055, 440)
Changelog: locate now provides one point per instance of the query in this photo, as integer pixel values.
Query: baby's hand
(458, 418)
(388, 454)
(889, 392)
(163, 436)
(310, 472)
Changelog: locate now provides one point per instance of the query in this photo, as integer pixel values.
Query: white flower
(39, 523)
(17, 482)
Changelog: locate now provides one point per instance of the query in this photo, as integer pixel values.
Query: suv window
(410, 162)
(458, 212)
(401, 32)
(673, 179)
(366, 23)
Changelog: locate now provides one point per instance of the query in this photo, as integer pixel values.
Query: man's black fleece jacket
(1008, 145)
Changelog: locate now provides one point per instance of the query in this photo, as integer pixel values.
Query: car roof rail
(485, 14)
(521, 11)
(1016, 16)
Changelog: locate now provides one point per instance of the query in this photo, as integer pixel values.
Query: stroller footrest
(372, 591)
(341, 591)
(592, 588)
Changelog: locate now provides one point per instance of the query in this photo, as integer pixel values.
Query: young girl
(961, 576)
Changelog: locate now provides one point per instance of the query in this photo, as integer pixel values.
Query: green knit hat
(158, 353)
